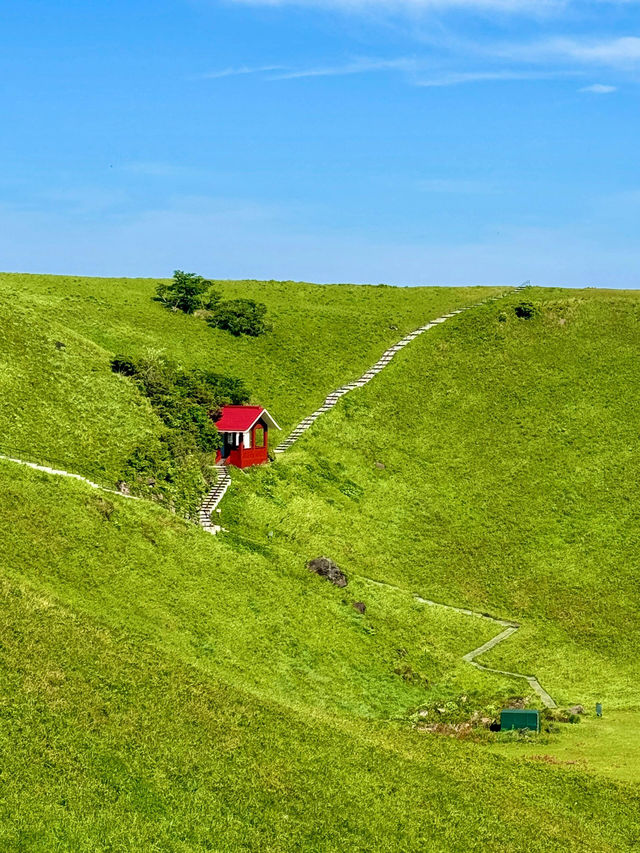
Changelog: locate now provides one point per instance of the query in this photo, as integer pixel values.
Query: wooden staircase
(213, 498)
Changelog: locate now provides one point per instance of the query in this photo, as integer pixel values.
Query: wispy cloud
(237, 71)
(457, 78)
(599, 89)
(356, 66)
(420, 72)
(537, 7)
(551, 58)
(623, 52)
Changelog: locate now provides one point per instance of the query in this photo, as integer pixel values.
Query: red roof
(242, 418)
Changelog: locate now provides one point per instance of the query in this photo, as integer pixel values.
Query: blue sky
(408, 142)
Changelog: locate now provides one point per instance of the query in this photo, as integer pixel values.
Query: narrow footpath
(510, 627)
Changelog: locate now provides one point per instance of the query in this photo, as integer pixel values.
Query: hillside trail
(59, 472)
(510, 627)
(216, 494)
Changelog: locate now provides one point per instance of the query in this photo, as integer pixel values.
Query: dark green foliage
(186, 292)
(240, 317)
(171, 471)
(123, 364)
(176, 467)
(228, 390)
(525, 310)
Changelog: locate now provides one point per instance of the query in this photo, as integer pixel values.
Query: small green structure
(519, 718)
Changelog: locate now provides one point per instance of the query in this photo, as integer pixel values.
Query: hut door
(227, 444)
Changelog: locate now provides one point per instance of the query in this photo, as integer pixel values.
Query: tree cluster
(189, 292)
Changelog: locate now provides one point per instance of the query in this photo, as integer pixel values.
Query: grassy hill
(168, 690)
(510, 473)
(322, 335)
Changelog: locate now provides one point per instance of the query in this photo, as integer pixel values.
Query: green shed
(518, 718)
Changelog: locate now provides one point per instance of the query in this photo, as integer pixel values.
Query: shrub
(177, 467)
(525, 310)
(240, 317)
(186, 292)
(229, 390)
(168, 470)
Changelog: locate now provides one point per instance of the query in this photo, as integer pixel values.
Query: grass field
(322, 336)
(108, 744)
(609, 746)
(163, 689)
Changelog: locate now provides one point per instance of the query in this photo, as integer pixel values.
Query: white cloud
(536, 7)
(599, 89)
(458, 78)
(620, 53)
(237, 71)
(357, 66)
(410, 66)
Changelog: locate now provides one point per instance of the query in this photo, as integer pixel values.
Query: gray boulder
(326, 568)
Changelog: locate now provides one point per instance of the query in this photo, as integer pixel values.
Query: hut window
(258, 437)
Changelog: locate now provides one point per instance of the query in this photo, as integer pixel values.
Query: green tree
(186, 292)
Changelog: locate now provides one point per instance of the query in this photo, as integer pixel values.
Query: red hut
(245, 434)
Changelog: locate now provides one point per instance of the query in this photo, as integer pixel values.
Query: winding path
(510, 627)
(59, 472)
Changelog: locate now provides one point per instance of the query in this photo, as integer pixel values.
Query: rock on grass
(326, 568)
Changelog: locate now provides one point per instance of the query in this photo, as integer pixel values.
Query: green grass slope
(253, 617)
(323, 335)
(61, 404)
(163, 689)
(116, 740)
(511, 455)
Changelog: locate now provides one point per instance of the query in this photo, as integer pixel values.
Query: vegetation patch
(525, 310)
(240, 317)
(186, 292)
(177, 465)
(191, 293)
